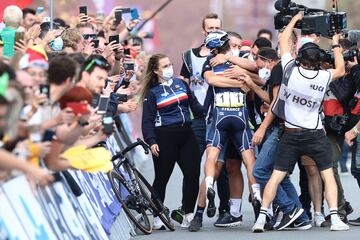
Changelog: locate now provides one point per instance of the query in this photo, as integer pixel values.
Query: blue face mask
(57, 44)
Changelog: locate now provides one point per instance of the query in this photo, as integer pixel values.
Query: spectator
(265, 33)
(12, 18)
(29, 18)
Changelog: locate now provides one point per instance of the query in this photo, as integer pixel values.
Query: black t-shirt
(275, 80)
(184, 71)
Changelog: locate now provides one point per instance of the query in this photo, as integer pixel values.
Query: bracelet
(356, 130)
(129, 29)
(335, 46)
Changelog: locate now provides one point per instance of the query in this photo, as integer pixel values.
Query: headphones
(309, 46)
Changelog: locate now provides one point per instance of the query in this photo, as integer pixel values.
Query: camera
(315, 20)
(348, 55)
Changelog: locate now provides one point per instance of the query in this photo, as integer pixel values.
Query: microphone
(354, 36)
(282, 5)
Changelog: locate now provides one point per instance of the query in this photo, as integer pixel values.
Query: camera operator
(298, 103)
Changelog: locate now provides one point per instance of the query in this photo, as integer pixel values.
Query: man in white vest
(298, 104)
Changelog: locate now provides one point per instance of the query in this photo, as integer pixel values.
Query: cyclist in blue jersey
(229, 122)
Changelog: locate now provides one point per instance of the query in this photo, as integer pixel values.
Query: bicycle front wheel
(159, 210)
(135, 211)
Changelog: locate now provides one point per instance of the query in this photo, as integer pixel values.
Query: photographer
(298, 104)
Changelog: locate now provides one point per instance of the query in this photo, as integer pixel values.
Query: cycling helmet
(216, 39)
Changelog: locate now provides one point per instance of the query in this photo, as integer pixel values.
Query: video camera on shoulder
(348, 55)
(315, 20)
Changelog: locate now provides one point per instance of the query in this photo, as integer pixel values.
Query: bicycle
(135, 193)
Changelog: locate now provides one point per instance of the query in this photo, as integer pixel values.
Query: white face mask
(264, 73)
(168, 73)
(251, 58)
(235, 52)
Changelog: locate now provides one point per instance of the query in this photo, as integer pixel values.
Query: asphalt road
(209, 232)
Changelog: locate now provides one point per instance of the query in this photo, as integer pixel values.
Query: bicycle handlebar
(145, 146)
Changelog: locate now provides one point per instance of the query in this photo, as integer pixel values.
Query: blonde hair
(71, 38)
(12, 16)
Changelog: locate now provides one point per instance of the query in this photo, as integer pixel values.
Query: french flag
(170, 99)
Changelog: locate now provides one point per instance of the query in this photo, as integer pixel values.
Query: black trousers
(178, 145)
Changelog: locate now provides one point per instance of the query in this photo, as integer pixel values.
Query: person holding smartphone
(166, 127)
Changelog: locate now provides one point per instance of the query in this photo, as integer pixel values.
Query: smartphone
(108, 125)
(129, 66)
(45, 89)
(78, 108)
(19, 36)
(103, 104)
(125, 10)
(127, 51)
(48, 135)
(96, 43)
(118, 17)
(114, 38)
(83, 9)
(95, 101)
(39, 10)
(134, 14)
(122, 97)
(87, 36)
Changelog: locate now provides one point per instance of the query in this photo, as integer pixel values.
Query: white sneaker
(259, 226)
(187, 219)
(318, 219)
(158, 224)
(339, 226)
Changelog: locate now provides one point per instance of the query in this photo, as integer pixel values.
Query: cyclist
(229, 120)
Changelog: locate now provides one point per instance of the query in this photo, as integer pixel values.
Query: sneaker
(211, 209)
(195, 224)
(256, 206)
(355, 222)
(186, 220)
(327, 222)
(339, 226)
(299, 225)
(158, 224)
(221, 215)
(318, 219)
(229, 221)
(289, 218)
(259, 226)
(178, 215)
(269, 225)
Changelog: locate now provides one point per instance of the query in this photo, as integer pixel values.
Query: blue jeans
(344, 156)
(286, 195)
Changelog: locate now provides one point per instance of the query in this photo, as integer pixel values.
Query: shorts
(312, 143)
(230, 124)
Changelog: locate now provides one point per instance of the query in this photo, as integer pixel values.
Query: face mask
(264, 73)
(235, 52)
(57, 44)
(305, 40)
(168, 73)
(251, 58)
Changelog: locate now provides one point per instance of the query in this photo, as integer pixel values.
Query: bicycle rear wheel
(130, 203)
(159, 210)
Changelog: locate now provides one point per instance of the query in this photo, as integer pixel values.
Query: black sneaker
(269, 225)
(289, 218)
(221, 215)
(211, 209)
(195, 224)
(178, 215)
(299, 225)
(229, 221)
(355, 222)
(256, 206)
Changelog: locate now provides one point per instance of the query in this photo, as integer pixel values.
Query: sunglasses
(96, 62)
